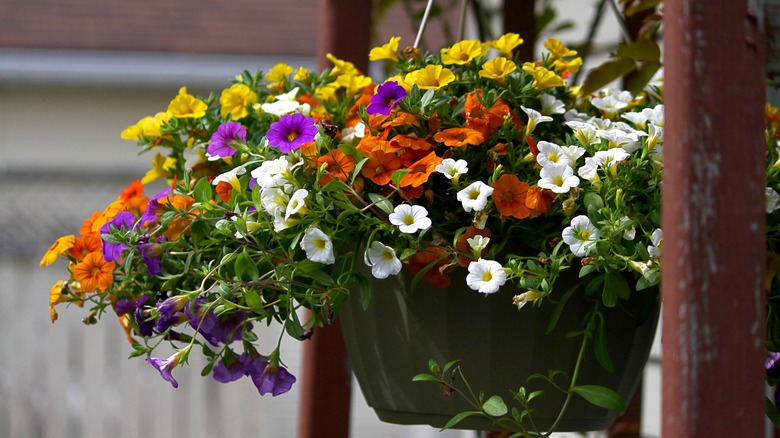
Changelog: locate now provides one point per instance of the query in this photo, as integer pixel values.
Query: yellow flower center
(487, 276)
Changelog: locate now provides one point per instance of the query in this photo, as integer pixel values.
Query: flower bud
(523, 298)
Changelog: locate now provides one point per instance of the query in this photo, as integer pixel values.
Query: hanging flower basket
(498, 349)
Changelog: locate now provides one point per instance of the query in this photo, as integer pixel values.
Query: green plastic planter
(498, 347)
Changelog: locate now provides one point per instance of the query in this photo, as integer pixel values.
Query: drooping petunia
(166, 366)
(60, 246)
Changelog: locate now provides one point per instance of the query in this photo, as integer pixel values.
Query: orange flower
(309, 153)
(437, 274)
(410, 142)
(87, 229)
(403, 119)
(459, 137)
(94, 273)
(380, 167)
(55, 297)
(479, 118)
(463, 247)
(224, 191)
(509, 194)
(539, 200)
(421, 170)
(85, 245)
(339, 165)
(372, 143)
(177, 226)
(133, 197)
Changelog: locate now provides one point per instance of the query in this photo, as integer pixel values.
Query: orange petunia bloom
(309, 153)
(421, 170)
(463, 247)
(94, 273)
(85, 245)
(459, 137)
(87, 228)
(479, 118)
(411, 192)
(177, 226)
(339, 165)
(403, 119)
(133, 197)
(411, 156)
(224, 190)
(509, 195)
(410, 142)
(540, 201)
(373, 143)
(55, 297)
(380, 167)
(437, 274)
(532, 145)
(60, 246)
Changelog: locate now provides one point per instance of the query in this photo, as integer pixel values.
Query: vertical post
(345, 28)
(520, 17)
(713, 219)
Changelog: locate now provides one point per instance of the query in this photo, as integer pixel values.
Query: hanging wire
(462, 26)
(423, 23)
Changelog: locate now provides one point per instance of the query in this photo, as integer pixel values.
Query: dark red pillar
(325, 381)
(713, 219)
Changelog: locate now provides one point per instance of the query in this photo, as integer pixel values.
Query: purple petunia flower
(216, 330)
(151, 251)
(226, 133)
(166, 366)
(122, 221)
(135, 307)
(269, 377)
(170, 312)
(153, 208)
(230, 368)
(386, 97)
(291, 131)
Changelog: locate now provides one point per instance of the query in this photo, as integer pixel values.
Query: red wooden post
(713, 219)
(325, 381)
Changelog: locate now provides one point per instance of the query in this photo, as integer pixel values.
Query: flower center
(487, 276)
(558, 181)
(292, 135)
(320, 244)
(408, 220)
(553, 157)
(380, 169)
(584, 235)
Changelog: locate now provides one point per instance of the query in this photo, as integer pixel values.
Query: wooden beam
(713, 219)
(520, 18)
(325, 381)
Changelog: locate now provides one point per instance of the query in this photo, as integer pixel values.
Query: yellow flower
(55, 297)
(161, 168)
(497, 68)
(557, 49)
(353, 83)
(341, 67)
(401, 80)
(387, 51)
(543, 78)
(462, 53)
(301, 74)
(149, 126)
(572, 65)
(507, 43)
(234, 101)
(60, 246)
(185, 105)
(327, 92)
(430, 77)
(279, 73)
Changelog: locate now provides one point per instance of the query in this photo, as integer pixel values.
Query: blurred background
(73, 75)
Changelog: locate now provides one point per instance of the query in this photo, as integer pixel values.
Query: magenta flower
(154, 208)
(291, 131)
(386, 97)
(170, 312)
(226, 133)
(122, 221)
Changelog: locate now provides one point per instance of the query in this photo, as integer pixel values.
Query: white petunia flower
(610, 104)
(475, 196)
(382, 260)
(273, 173)
(656, 136)
(410, 218)
(657, 239)
(318, 246)
(486, 276)
(630, 232)
(478, 243)
(617, 138)
(281, 223)
(573, 152)
(451, 168)
(348, 135)
(607, 159)
(297, 203)
(655, 115)
(534, 118)
(589, 170)
(772, 200)
(581, 235)
(551, 105)
(524, 298)
(551, 153)
(231, 177)
(274, 198)
(559, 178)
(285, 104)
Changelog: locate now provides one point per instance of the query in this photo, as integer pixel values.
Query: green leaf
(640, 50)
(604, 74)
(427, 98)
(245, 265)
(381, 202)
(771, 413)
(559, 308)
(600, 347)
(617, 285)
(202, 191)
(600, 396)
(365, 291)
(252, 299)
(425, 378)
(449, 365)
(458, 418)
(637, 81)
(592, 199)
(495, 406)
